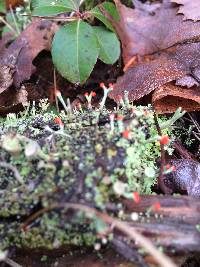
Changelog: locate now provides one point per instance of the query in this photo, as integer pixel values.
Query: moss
(79, 164)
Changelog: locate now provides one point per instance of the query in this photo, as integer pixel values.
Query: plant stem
(14, 19)
(8, 25)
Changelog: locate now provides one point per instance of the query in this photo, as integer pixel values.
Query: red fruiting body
(145, 112)
(132, 110)
(111, 86)
(86, 94)
(156, 206)
(57, 92)
(58, 121)
(112, 116)
(164, 140)
(93, 93)
(126, 134)
(119, 97)
(120, 117)
(136, 197)
(168, 166)
(173, 168)
(102, 85)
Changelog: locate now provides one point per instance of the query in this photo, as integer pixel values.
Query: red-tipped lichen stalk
(89, 98)
(112, 122)
(60, 98)
(106, 91)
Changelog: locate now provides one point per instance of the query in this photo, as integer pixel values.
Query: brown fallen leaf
(13, 3)
(172, 44)
(16, 62)
(144, 78)
(169, 97)
(144, 33)
(187, 81)
(172, 64)
(190, 8)
(4, 42)
(186, 177)
(14, 101)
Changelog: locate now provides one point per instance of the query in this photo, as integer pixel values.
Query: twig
(55, 89)
(12, 263)
(14, 170)
(196, 135)
(128, 252)
(182, 151)
(194, 122)
(52, 17)
(161, 259)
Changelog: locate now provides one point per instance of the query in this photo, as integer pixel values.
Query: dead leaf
(190, 9)
(171, 43)
(174, 63)
(144, 33)
(169, 97)
(13, 3)
(187, 81)
(4, 42)
(144, 78)
(14, 101)
(186, 177)
(16, 62)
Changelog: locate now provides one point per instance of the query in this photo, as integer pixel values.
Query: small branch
(12, 263)
(52, 17)
(129, 231)
(55, 89)
(182, 151)
(128, 252)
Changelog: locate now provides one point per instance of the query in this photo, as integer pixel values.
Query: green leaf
(53, 7)
(109, 45)
(111, 9)
(2, 6)
(75, 51)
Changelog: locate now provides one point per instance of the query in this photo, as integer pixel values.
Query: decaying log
(174, 225)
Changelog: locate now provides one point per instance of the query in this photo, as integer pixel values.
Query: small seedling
(77, 45)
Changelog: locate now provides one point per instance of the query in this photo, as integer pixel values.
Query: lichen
(79, 163)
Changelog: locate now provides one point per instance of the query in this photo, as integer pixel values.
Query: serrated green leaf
(2, 6)
(53, 7)
(109, 45)
(75, 51)
(111, 9)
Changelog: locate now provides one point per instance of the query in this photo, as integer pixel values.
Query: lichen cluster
(88, 161)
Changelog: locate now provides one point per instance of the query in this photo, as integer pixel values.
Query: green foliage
(109, 45)
(110, 8)
(77, 45)
(2, 6)
(53, 7)
(75, 51)
(16, 21)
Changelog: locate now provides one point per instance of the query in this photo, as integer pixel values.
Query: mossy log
(95, 161)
